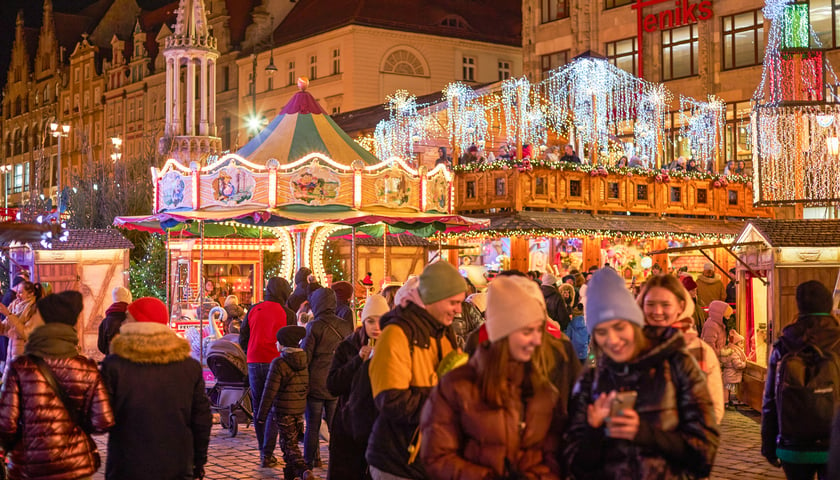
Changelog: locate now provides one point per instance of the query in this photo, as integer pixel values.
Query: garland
(583, 233)
(662, 176)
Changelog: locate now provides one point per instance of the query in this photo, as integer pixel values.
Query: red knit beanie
(149, 309)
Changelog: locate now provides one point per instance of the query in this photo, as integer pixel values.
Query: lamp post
(59, 131)
(255, 121)
(5, 169)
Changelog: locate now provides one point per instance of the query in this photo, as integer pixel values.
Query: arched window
(24, 141)
(403, 62)
(8, 144)
(18, 145)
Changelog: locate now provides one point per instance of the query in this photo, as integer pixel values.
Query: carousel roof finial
(303, 83)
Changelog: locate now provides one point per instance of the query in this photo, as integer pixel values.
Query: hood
(295, 357)
(549, 290)
(149, 343)
(117, 307)
(707, 280)
(820, 330)
(278, 290)
(302, 275)
(323, 302)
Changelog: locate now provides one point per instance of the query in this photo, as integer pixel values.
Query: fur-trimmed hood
(150, 343)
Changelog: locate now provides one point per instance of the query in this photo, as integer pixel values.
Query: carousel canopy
(301, 128)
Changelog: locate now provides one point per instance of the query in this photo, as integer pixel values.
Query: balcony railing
(597, 190)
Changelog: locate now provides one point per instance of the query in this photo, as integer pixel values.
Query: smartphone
(623, 401)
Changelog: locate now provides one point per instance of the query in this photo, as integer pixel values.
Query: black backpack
(807, 393)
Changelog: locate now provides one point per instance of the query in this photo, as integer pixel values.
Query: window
(623, 54)
(733, 197)
(641, 192)
(825, 20)
(226, 133)
(553, 61)
(87, 71)
(470, 188)
(17, 74)
(336, 61)
(453, 21)
(468, 69)
(554, 10)
(87, 99)
(336, 110)
(76, 74)
(291, 71)
(269, 83)
(679, 52)
(676, 194)
(504, 70)
(21, 180)
(617, 3)
(574, 188)
(45, 62)
(702, 196)
(225, 79)
(97, 95)
(541, 185)
(743, 39)
(501, 189)
(403, 62)
(313, 67)
(613, 190)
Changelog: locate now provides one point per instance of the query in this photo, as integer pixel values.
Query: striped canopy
(301, 128)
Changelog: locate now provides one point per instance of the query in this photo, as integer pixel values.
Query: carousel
(296, 184)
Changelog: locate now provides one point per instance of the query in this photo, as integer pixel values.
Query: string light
(405, 127)
(586, 233)
(466, 116)
(701, 123)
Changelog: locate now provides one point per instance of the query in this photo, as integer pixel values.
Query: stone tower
(191, 54)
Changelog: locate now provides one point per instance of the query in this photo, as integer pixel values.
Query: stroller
(230, 397)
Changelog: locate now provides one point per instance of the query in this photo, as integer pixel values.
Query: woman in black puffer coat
(347, 440)
(669, 433)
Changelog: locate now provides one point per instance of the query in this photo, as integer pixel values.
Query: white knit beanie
(375, 305)
(121, 294)
(513, 302)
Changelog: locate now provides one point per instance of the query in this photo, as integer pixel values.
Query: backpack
(807, 392)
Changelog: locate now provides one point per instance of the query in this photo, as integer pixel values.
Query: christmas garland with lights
(583, 233)
(599, 170)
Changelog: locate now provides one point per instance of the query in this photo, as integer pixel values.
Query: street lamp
(59, 131)
(5, 169)
(255, 121)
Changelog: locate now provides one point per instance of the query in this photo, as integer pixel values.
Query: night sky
(32, 10)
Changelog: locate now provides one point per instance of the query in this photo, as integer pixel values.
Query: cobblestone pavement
(738, 458)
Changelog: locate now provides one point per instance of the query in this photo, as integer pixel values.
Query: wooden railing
(549, 189)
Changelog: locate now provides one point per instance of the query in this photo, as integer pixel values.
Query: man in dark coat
(800, 458)
(554, 303)
(114, 318)
(257, 337)
(157, 391)
(300, 294)
(323, 335)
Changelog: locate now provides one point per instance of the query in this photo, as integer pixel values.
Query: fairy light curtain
(404, 128)
(795, 114)
(702, 124)
(466, 117)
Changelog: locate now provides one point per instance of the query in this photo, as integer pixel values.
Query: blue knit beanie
(607, 298)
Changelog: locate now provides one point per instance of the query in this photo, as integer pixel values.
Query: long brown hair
(492, 371)
(673, 285)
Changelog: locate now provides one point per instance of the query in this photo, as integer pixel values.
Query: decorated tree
(147, 276)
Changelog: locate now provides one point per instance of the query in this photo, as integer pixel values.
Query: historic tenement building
(694, 47)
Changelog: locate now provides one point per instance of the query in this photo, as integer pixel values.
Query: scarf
(53, 340)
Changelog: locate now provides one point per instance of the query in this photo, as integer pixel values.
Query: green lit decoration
(797, 26)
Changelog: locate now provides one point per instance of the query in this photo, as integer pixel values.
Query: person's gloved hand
(198, 473)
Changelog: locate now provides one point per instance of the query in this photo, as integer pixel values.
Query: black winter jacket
(162, 412)
(824, 332)
(556, 306)
(110, 325)
(286, 384)
(323, 335)
(344, 381)
(677, 436)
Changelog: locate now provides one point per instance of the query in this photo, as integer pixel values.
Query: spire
(192, 19)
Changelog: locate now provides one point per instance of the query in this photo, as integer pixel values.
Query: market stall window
(501, 187)
(471, 189)
(574, 188)
(541, 185)
(733, 197)
(702, 196)
(676, 194)
(612, 190)
(641, 192)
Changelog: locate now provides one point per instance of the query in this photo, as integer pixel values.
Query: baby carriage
(230, 397)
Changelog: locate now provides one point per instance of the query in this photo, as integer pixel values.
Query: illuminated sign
(685, 12)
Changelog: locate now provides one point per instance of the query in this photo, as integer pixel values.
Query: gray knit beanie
(607, 298)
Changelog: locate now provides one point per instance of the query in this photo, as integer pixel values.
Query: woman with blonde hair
(642, 411)
(666, 303)
(495, 417)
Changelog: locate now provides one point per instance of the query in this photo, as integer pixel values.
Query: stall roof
(21, 232)
(90, 239)
(796, 233)
(617, 223)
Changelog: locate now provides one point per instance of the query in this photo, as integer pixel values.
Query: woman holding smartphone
(643, 411)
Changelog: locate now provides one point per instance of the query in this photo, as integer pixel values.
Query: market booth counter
(787, 253)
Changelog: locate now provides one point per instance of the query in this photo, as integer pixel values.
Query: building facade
(695, 48)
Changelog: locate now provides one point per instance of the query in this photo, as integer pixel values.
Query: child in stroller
(230, 397)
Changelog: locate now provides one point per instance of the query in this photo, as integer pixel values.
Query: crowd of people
(528, 379)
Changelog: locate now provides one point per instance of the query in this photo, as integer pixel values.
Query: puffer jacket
(555, 305)
(714, 332)
(301, 292)
(323, 335)
(19, 325)
(286, 384)
(162, 412)
(402, 374)
(466, 438)
(51, 445)
(820, 330)
(677, 435)
(733, 360)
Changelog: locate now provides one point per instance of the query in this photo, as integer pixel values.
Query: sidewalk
(739, 456)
